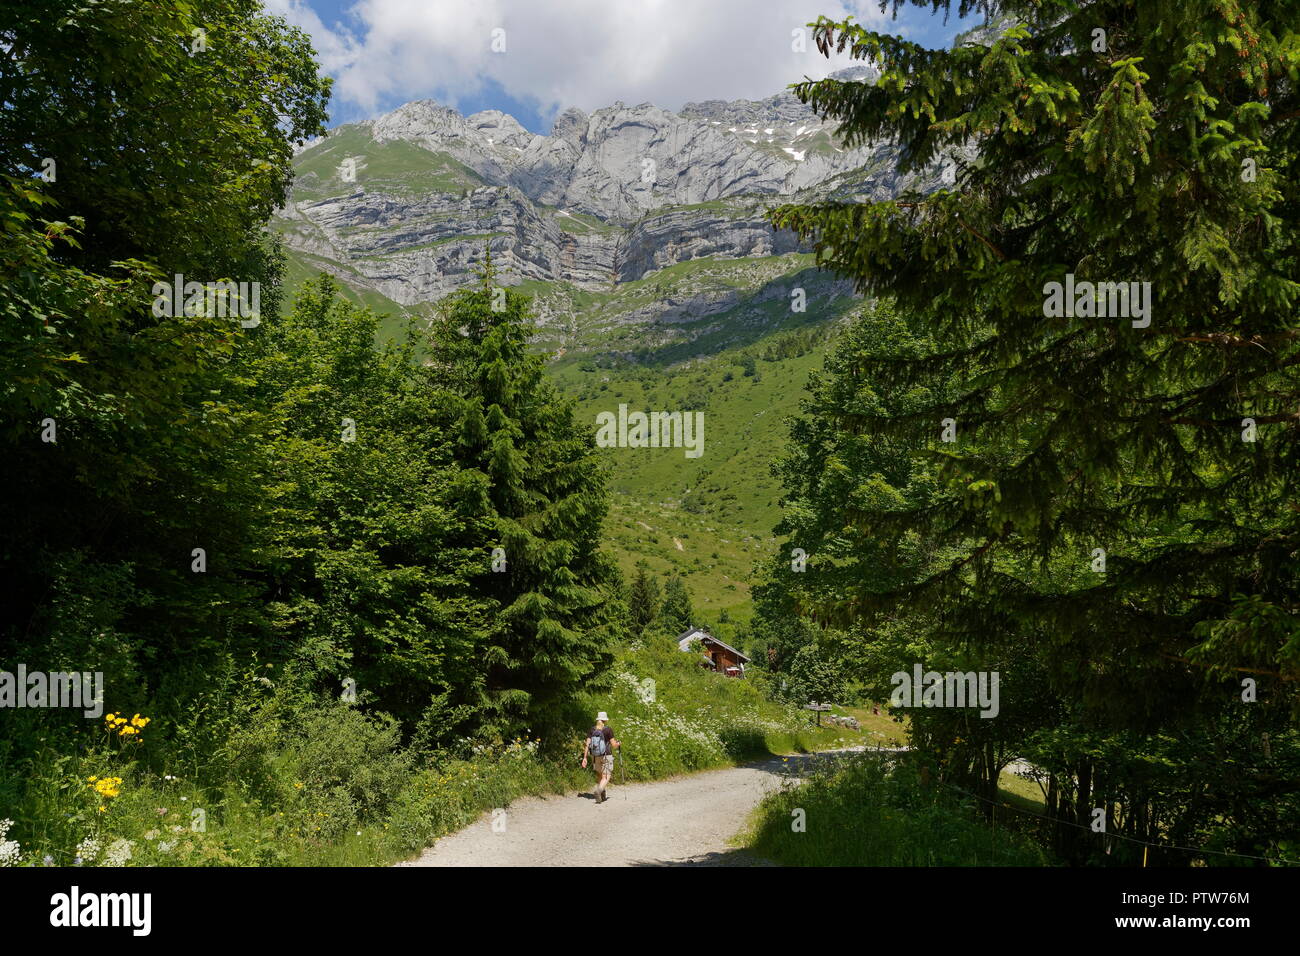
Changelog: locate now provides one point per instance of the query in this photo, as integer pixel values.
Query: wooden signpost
(819, 708)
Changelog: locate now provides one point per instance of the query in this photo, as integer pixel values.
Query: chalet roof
(711, 639)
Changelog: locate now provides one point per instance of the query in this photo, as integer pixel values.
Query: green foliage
(544, 495)
(330, 759)
(676, 614)
(170, 154)
(643, 600)
(215, 509)
(1073, 432)
(860, 813)
(375, 533)
(123, 451)
(814, 677)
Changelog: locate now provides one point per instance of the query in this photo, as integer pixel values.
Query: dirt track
(679, 822)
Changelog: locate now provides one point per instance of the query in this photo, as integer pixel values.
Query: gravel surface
(683, 821)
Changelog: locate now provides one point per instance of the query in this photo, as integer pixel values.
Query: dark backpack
(598, 746)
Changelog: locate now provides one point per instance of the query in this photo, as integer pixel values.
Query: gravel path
(678, 822)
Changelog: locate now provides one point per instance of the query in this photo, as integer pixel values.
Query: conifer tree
(1105, 479)
(676, 613)
(544, 488)
(1161, 149)
(643, 598)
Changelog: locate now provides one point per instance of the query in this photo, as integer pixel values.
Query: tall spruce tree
(996, 469)
(643, 598)
(676, 613)
(544, 488)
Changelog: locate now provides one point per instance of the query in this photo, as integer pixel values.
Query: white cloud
(334, 50)
(561, 53)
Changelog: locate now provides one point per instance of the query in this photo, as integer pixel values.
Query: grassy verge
(673, 717)
(1021, 793)
(291, 779)
(880, 730)
(860, 812)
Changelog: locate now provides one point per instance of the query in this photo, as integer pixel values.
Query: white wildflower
(118, 853)
(10, 850)
(88, 850)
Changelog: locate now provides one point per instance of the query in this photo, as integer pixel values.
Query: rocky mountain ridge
(404, 204)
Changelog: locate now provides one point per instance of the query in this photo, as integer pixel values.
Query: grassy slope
(744, 429)
(302, 266)
(396, 167)
(711, 517)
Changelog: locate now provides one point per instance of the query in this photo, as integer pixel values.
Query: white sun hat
(603, 716)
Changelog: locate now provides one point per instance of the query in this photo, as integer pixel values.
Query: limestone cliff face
(674, 235)
(405, 203)
(419, 249)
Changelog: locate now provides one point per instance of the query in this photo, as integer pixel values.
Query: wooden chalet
(718, 655)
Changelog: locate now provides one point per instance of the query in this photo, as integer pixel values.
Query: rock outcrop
(607, 197)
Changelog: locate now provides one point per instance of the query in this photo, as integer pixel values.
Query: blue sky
(534, 58)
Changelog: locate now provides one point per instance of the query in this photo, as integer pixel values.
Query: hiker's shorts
(603, 765)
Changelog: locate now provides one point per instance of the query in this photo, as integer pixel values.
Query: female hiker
(600, 746)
